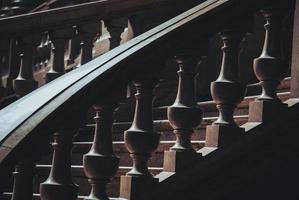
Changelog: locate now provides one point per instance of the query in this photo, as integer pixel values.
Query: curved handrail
(33, 112)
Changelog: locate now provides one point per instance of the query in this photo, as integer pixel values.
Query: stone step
(42, 172)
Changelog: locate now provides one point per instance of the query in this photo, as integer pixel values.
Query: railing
(28, 39)
(59, 107)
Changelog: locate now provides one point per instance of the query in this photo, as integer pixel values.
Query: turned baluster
(88, 32)
(13, 65)
(183, 116)
(5, 9)
(59, 185)
(22, 6)
(227, 92)
(3, 54)
(116, 28)
(74, 48)
(59, 40)
(270, 68)
(25, 83)
(100, 163)
(141, 140)
(23, 180)
(42, 50)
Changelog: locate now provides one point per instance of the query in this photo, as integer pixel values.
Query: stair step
(162, 126)
(81, 148)
(42, 172)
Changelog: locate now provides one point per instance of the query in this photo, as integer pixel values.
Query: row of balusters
(32, 53)
(101, 164)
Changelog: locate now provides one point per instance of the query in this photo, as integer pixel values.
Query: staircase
(201, 128)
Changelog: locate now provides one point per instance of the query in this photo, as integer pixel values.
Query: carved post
(270, 69)
(88, 33)
(74, 48)
(100, 163)
(227, 92)
(183, 116)
(23, 178)
(59, 40)
(25, 83)
(141, 140)
(3, 53)
(13, 65)
(116, 28)
(59, 185)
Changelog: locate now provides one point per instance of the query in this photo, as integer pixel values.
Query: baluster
(141, 140)
(59, 40)
(3, 54)
(59, 185)
(100, 163)
(295, 58)
(5, 9)
(13, 65)
(116, 28)
(88, 33)
(21, 6)
(74, 48)
(227, 92)
(183, 116)
(23, 180)
(270, 68)
(25, 83)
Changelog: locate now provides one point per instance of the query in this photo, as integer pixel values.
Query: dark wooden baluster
(183, 116)
(5, 9)
(42, 50)
(88, 33)
(270, 68)
(22, 6)
(227, 92)
(116, 28)
(23, 178)
(25, 83)
(100, 163)
(13, 65)
(141, 140)
(59, 40)
(295, 58)
(3, 54)
(74, 48)
(59, 185)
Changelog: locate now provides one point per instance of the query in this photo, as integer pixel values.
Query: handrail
(23, 119)
(78, 14)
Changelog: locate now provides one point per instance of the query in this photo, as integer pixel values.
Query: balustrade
(141, 140)
(227, 91)
(270, 68)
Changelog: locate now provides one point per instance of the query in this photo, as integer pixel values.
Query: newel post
(227, 92)
(59, 40)
(270, 68)
(184, 115)
(141, 140)
(25, 82)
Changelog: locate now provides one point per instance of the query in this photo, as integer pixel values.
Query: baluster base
(221, 136)
(132, 187)
(56, 191)
(175, 161)
(265, 111)
(22, 86)
(51, 75)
